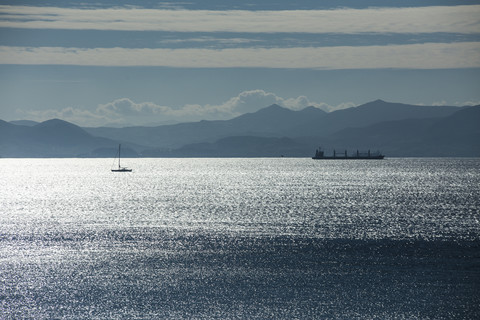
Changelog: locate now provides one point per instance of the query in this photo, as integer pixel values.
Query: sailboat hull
(122, 170)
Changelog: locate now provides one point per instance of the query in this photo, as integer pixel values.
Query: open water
(240, 239)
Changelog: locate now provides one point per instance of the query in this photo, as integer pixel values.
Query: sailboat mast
(120, 168)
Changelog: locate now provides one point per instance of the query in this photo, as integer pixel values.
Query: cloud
(245, 102)
(126, 107)
(468, 103)
(249, 101)
(254, 100)
(410, 56)
(456, 103)
(124, 111)
(452, 19)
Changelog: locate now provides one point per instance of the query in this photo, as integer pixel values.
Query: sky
(122, 63)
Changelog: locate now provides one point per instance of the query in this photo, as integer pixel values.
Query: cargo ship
(320, 155)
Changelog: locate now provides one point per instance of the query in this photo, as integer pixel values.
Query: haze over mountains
(395, 129)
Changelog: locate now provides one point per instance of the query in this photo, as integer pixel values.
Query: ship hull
(350, 158)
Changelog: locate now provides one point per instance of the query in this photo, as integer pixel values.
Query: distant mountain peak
(61, 127)
(378, 102)
(54, 121)
(27, 123)
(312, 109)
(398, 129)
(274, 107)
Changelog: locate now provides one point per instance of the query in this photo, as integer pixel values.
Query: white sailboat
(120, 168)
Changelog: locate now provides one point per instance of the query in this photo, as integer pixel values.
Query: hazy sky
(151, 62)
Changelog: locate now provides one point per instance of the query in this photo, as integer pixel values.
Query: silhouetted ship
(320, 155)
(120, 168)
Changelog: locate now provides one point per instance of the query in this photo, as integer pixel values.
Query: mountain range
(395, 129)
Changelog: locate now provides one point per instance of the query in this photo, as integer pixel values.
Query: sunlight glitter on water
(397, 198)
(239, 238)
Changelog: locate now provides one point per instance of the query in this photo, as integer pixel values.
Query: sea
(261, 238)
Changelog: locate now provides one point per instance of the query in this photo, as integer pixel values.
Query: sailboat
(120, 168)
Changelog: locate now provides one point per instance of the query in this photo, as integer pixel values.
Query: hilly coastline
(52, 139)
(396, 129)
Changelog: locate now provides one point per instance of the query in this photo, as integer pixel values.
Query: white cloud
(468, 103)
(254, 100)
(329, 108)
(411, 56)
(126, 107)
(439, 103)
(456, 103)
(249, 101)
(124, 111)
(454, 19)
(228, 41)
